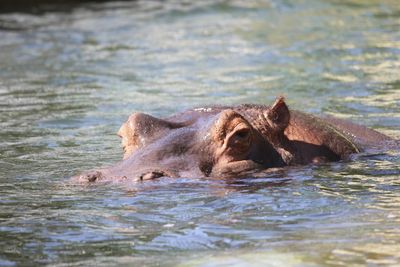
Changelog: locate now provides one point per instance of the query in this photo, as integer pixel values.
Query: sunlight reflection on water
(69, 79)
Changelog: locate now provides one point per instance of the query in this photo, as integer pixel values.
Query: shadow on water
(39, 7)
(13, 22)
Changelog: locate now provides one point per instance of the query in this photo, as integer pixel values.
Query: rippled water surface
(68, 80)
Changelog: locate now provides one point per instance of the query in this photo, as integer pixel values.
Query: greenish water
(69, 80)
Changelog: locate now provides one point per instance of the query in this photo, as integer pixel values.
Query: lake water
(69, 79)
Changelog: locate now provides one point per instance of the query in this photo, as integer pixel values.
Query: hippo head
(215, 141)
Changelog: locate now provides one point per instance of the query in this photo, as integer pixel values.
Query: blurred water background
(71, 75)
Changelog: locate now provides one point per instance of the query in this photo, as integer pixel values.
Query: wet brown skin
(230, 142)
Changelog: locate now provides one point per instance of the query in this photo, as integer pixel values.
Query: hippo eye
(242, 134)
(240, 139)
(234, 134)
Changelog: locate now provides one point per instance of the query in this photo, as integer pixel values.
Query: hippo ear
(278, 114)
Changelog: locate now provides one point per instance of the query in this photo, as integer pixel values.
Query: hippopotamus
(230, 141)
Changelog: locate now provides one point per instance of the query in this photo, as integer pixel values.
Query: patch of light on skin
(142, 140)
(131, 126)
(203, 109)
(205, 137)
(350, 134)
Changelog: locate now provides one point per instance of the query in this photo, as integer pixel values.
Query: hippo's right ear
(278, 114)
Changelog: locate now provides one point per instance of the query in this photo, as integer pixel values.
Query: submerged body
(231, 142)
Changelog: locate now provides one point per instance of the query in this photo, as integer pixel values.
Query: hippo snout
(153, 175)
(104, 176)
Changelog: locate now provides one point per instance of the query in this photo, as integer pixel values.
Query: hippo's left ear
(278, 114)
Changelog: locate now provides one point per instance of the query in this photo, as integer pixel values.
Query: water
(69, 79)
